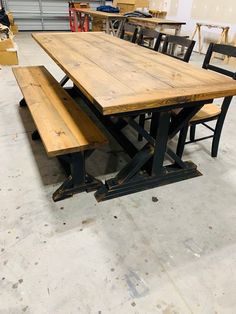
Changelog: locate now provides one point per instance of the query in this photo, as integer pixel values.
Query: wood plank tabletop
(99, 13)
(118, 76)
(154, 20)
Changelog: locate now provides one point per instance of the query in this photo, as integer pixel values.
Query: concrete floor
(124, 256)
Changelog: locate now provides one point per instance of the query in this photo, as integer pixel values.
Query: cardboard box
(8, 57)
(14, 29)
(97, 25)
(11, 18)
(130, 5)
(6, 44)
(81, 5)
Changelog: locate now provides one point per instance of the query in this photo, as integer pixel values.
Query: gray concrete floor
(124, 256)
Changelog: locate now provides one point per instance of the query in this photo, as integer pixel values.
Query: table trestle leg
(146, 169)
(163, 123)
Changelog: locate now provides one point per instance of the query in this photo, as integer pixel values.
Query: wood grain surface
(63, 126)
(154, 20)
(118, 76)
(99, 13)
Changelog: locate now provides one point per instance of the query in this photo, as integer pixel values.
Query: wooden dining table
(158, 24)
(119, 81)
(83, 14)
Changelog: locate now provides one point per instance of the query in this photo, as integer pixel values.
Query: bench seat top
(63, 126)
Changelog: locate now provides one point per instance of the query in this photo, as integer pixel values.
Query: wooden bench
(64, 128)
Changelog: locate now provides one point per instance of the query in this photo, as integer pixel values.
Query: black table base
(146, 168)
(114, 188)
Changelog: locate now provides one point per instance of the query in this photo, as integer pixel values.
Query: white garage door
(42, 14)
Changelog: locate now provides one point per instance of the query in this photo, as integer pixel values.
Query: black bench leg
(78, 180)
(22, 103)
(35, 135)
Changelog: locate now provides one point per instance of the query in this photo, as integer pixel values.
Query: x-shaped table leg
(146, 169)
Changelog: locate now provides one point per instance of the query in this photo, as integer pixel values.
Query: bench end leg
(68, 188)
(23, 103)
(35, 135)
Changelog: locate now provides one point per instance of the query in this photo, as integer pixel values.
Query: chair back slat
(132, 30)
(149, 34)
(220, 70)
(180, 41)
(225, 50)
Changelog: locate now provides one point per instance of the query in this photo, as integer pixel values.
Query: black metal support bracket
(184, 116)
(146, 168)
(112, 188)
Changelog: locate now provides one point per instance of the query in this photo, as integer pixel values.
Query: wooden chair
(129, 32)
(210, 112)
(172, 41)
(151, 36)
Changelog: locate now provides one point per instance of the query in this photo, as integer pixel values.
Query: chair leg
(192, 132)
(181, 141)
(216, 138)
(141, 123)
(219, 126)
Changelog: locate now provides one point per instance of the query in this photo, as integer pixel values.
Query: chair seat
(207, 111)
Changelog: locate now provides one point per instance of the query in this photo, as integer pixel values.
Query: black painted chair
(167, 48)
(210, 112)
(149, 38)
(170, 44)
(129, 32)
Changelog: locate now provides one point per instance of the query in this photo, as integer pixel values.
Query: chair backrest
(185, 43)
(225, 50)
(129, 31)
(149, 34)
